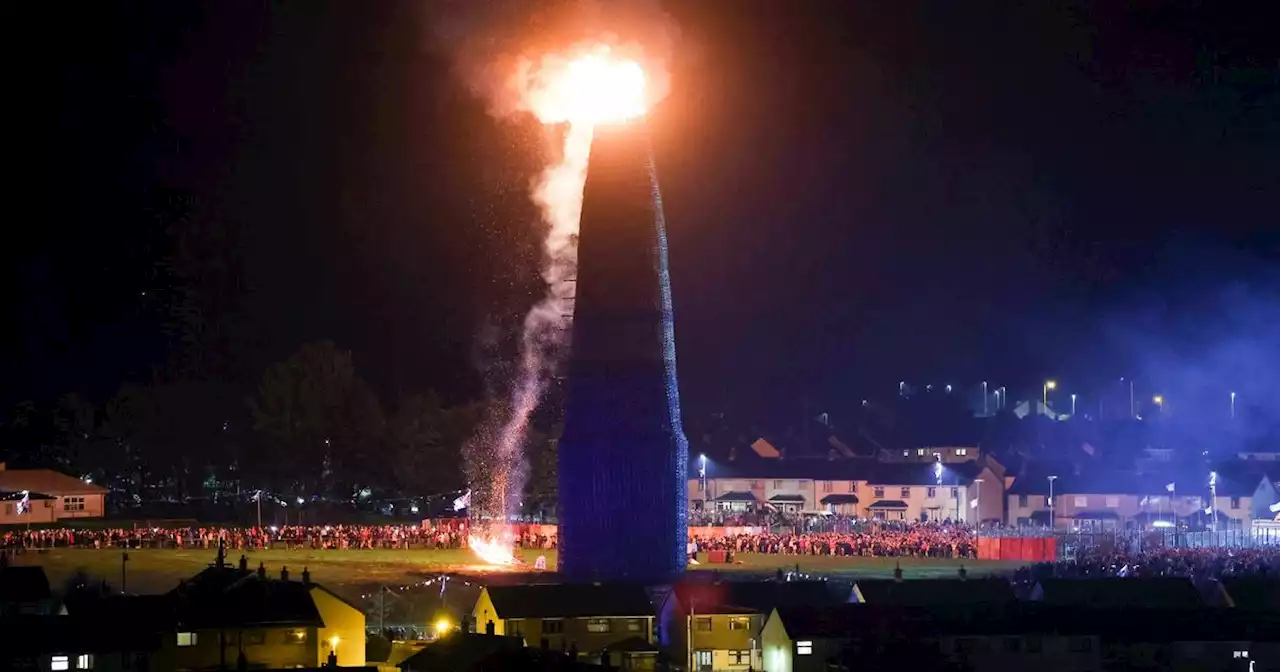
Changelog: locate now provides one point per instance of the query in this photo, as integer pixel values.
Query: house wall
(989, 495)
(68, 507)
(1018, 511)
(918, 500)
(263, 647)
(1068, 504)
(722, 639)
(42, 511)
(571, 631)
(343, 621)
(801, 487)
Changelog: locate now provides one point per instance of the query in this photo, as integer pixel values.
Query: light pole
(1213, 504)
(984, 398)
(1052, 517)
(1132, 410)
(1233, 405)
(1004, 397)
(1073, 405)
(259, 498)
(1048, 385)
(1159, 401)
(978, 501)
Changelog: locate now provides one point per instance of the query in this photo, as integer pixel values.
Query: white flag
(24, 504)
(1145, 501)
(1169, 487)
(973, 504)
(462, 502)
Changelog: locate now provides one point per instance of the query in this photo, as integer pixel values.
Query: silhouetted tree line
(313, 426)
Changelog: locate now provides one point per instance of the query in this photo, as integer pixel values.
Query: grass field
(355, 572)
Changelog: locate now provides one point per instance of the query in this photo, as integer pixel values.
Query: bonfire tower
(623, 455)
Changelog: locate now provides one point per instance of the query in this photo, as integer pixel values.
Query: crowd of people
(886, 539)
(319, 537)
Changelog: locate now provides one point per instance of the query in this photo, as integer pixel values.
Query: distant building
(589, 619)
(46, 496)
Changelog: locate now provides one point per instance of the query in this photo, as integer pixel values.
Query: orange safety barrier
(1019, 549)
(717, 557)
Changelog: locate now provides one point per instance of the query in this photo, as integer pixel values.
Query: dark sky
(857, 193)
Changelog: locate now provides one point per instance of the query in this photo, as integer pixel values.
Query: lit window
(920, 452)
(84, 661)
(739, 623)
(961, 452)
(635, 625)
(702, 658)
(740, 657)
(804, 648)
(296, 637)
(73, 503)
(598, 625)
(187, 638)
(702, 624)
(906, 453)
(1239, 654)
(60, 663)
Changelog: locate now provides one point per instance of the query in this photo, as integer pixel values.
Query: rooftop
(569, 600)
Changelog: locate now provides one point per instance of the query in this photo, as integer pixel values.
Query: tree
(542, 488)
(320, 423)
(416, 436)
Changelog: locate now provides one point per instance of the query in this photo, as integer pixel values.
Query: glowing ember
(491, 551)
(591, 86)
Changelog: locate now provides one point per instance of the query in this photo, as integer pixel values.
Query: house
(1018, 637)
(932, 592)
(937, 491)
(865, 636)
(226, 612)
(55, 643)
(462, 651)
(24, 591)
(54, 496)
(790, 485)
(931, 454)
(587, 618)
(723, 619)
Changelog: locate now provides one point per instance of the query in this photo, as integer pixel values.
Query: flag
(24, 504)
(1145, 501)
(462, 502)
(973, 504)
(1169, 487)
(1275, 507)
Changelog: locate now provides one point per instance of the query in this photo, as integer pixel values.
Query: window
(961, 452)
(1022, 501)
(877, 492)
(599, 625)
(777, 485)
(906, 453)
(553, 626)
(73, 503)
(515, 627)
(84, 661)
(702, 624)
(1081, 500)
(931, 493)
(906, 493)
(296, 637)
(955, 493)
(1235, 502)
(702, 485)
(828, 486)
(739, 623)
(635, 625)
(60, 663)
(740, 657)
(188, 638)
(702, 659)
(1113, 502)
(1240, 654)
(920, 452)
(804, 648)
(853, 487)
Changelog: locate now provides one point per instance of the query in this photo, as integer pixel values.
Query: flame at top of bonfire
(492, 551)
(588, 85)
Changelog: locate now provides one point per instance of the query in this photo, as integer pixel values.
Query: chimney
(244, 563)
(897, 572)
(284, 573)
(490, 628)
(262, 570)
(333, 658)
(306, 576)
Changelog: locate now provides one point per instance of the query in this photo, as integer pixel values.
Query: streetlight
(1213, 504)
(1052, 517)
(978, 500)
(902, 388)
(1233, 405)
(1073, 405)
(1004, 397)
(984, 397)
(1048, 385)
(1132, 411)
(1159, 401)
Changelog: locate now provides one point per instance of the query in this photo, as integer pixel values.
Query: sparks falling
(579, 89)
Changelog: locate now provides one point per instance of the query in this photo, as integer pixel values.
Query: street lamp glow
(1073, 404)
(1048, 385)
(442, 627)
(1159, 401)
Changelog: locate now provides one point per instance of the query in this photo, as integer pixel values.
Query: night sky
(856, 193)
